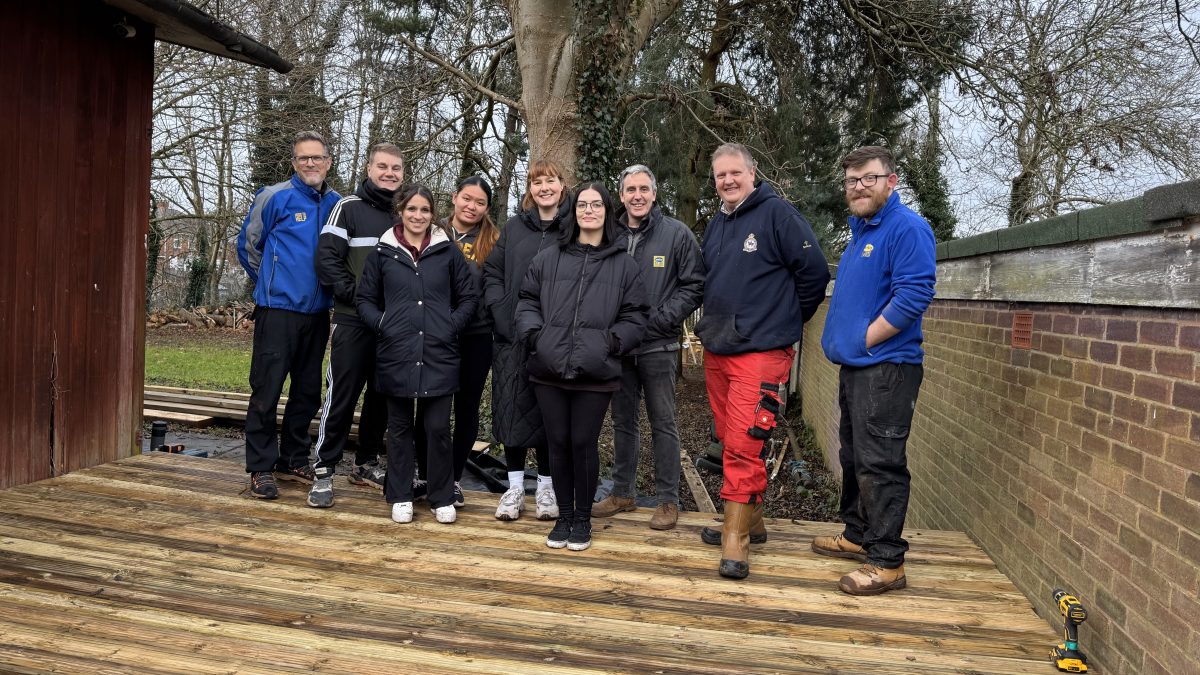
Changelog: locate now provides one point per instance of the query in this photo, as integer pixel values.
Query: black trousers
(401, 449)
(351, 365)
(877, 404)
(475, 352)
(573, 419)
(285, 343)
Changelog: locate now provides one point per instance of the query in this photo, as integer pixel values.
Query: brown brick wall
(1075, 463)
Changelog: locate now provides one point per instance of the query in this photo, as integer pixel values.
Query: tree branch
(449, 67)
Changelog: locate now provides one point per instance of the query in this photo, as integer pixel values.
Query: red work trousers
(735, 386)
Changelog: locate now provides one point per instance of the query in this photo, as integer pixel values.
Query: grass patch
(219, 367)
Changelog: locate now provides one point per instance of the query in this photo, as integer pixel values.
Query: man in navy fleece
(873, 330)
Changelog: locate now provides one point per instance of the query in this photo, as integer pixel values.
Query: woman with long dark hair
(516, 419)
(472, 229)
(417, 293)
(582, 307)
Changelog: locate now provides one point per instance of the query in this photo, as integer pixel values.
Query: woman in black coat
(581, 307)
(417, 293)
(516, 420)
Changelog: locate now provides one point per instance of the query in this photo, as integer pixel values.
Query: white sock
(516, 478)
(545, 482)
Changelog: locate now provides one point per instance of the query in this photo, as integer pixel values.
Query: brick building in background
(1059, 421)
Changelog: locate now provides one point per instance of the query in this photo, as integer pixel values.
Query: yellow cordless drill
(1067, 656)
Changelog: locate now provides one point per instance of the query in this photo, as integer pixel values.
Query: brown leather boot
(758, 530)
(735, 540)
(665, 517)
(839, 547)
(872, 580)
(612, 505)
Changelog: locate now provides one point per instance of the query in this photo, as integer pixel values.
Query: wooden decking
(160, 564)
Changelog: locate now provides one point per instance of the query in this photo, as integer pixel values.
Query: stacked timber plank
(160, 563)
(183, 405)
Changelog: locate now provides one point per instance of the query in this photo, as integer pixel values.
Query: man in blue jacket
(277, 246)
(766, 277)
(873, 331)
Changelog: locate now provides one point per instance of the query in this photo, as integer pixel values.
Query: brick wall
(1075, 463)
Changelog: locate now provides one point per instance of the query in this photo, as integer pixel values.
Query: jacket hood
(375, 195)
(761, 193)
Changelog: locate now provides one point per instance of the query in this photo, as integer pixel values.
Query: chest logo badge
(301, 217)
(750, 245)
(660, 261)
(867, 250)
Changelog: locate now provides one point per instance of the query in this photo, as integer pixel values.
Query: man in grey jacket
(673, 273)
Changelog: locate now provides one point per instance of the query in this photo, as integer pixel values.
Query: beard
(869, 207)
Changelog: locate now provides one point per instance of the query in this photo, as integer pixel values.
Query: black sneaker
(372, 474)
(300, 474)
(581, 535)
(459, 499)
(321, 494)
(262, 485)
(561, 533)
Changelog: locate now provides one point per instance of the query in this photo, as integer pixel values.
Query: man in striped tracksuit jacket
(348, 237)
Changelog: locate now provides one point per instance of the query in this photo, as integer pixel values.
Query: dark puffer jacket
(418, 308)
(516, 418)
(581, 308)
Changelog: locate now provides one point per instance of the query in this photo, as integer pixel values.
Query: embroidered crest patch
(867, 250)
(301, 217)
(660, 261)
(750, 245)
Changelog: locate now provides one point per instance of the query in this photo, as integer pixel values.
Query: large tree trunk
(546, 46)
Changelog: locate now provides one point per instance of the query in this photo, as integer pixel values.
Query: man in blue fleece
(873, 331)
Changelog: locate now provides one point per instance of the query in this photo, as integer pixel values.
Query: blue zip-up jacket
(278, 245)
(766, 276)
(889, 269)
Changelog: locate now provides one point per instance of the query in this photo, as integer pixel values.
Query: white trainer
(445, 514)
(547, 505)
(402, 512)
(512, 503)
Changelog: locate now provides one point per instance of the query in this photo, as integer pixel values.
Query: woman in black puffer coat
(417, 293)
(516, 419)
(582, 306)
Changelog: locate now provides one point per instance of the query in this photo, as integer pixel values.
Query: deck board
(162, 563)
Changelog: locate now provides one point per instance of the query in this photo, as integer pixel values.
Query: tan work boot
(872, 580)
(665, 517)
(612, 505)
(839, 547)
(758, 530)
(735, 540)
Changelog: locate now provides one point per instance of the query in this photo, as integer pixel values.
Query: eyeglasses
(868, 180)
(589, 206)
(310, 159)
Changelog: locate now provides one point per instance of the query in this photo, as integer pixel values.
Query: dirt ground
(803, 489)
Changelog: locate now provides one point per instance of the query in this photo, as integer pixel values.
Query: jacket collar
(310, 191)
(892, 203)
(437, 237)
(653, 218)
(375, 195)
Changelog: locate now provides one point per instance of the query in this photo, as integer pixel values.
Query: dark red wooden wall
(74, 191)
